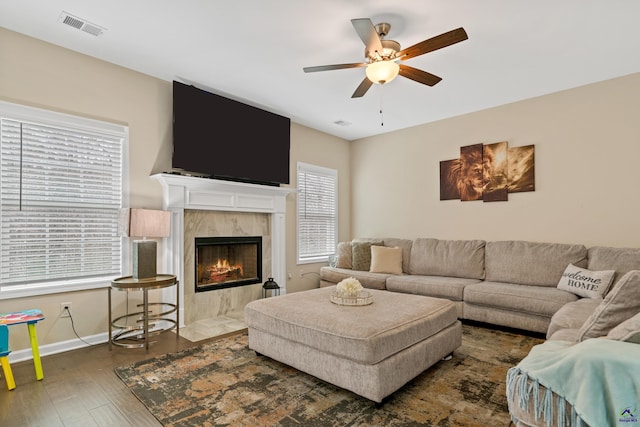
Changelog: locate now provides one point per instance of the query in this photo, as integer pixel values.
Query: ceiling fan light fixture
(381, 72)
(382, 56)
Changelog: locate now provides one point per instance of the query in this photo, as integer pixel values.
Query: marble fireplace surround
(202, 205)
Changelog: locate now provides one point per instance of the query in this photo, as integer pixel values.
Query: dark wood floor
(80, 388)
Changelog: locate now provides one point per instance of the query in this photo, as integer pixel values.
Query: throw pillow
(344, 255)
(628, 331)
(361, 255)
(386, 260)
(586, 283)
(622, 303)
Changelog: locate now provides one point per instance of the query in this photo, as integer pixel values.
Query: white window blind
(61, 183)
(317, 212)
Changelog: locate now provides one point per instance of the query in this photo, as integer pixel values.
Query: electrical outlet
(65, 309)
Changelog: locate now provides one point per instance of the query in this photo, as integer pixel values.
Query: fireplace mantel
(187, 192)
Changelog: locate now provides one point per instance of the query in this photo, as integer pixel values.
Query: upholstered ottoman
(371, 350)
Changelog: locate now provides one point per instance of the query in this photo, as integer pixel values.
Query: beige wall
(43, 75)
(587, 148)
(320, 149)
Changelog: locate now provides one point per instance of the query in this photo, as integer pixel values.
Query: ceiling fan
(382, 55)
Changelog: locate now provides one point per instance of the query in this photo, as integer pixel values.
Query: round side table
(138, 326)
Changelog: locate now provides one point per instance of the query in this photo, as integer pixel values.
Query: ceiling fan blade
(332, 67)
(367, 32)
(418, 75)
(362, 89)
(434, 43)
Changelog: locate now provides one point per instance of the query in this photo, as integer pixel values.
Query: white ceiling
(254, 50)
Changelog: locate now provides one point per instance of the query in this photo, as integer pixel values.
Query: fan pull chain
(381, 113)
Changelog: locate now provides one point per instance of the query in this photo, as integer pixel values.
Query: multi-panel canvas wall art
(488, 172)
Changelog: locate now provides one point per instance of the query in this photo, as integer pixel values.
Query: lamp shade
(144, 223)
(382, 72)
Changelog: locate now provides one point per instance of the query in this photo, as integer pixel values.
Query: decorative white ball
(349, 287)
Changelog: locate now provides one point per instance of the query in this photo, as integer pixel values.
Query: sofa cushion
(620, 304)
(572, 315)
(531, 263)
(432, 286)
(405, 244)
(343, 256)
(628, 331)
(586, 283)
(452, 258)
(386, 260)
(622, 260)
(522, 298)
(366, 278)
(361, 255)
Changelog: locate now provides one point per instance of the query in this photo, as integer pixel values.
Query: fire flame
(223, 266)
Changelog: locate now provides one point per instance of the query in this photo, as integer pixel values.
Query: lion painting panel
(521, 169)
(471, 181)
(495, 173)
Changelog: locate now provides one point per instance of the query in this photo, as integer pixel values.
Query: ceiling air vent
(81, 24)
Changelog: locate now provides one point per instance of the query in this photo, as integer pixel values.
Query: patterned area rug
(223, 383)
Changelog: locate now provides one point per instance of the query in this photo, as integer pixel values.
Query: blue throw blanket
(599, 378)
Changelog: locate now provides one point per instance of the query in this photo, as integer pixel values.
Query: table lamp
(144, 223)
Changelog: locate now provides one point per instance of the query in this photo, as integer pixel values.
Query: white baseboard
(62, 346)
(58, 347)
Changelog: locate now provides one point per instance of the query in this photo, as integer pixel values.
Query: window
(317, 213)
(61, 182)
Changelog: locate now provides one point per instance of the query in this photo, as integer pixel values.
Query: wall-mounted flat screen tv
(218, 137)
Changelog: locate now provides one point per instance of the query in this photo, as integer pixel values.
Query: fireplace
(236, 209)
(227, 262)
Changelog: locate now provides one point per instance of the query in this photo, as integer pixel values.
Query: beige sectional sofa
(588, 370)
(515, 284)
(506, 283)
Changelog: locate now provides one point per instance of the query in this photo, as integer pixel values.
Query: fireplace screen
(225, 262)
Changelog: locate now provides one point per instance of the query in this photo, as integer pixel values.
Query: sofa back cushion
(453, 258)
(531, 263)
(622, 260)
(628, 331)
(405, 244)
(620, 304)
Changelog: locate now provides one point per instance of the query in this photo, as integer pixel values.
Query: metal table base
(132, 328)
